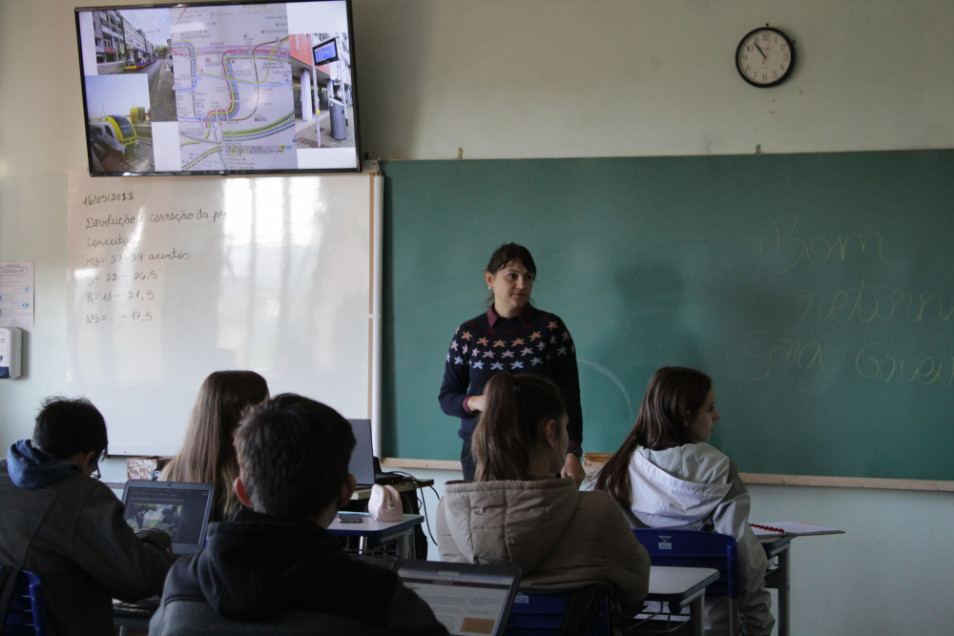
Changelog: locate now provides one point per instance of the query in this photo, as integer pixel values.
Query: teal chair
(583, 612)
(26, 612)
(697, 549)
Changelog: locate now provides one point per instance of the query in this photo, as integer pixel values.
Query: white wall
(558, 78)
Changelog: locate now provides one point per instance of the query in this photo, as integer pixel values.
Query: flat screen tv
(219, 88)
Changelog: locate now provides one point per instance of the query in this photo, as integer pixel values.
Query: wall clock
(765, 57)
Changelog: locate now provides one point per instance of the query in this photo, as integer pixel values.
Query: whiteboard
(171, 278)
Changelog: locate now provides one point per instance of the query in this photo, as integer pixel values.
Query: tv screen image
(223, 88)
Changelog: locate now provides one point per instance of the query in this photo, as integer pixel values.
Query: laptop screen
(181, 509)
(362, 457)
(466, 598)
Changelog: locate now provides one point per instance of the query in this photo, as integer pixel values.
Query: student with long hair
(519, 510)
(207, 454)
(665, 475)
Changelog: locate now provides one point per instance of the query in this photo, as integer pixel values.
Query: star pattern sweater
(535, 342)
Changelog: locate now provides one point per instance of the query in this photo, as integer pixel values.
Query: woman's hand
(572, 467)
(476, 403)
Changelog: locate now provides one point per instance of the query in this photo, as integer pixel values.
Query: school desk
(364, 492)
(372, 533)
(682, 587)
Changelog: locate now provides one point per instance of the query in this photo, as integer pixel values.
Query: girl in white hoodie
(665, 475)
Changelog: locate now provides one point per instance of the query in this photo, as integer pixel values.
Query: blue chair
(583, 612)
(699, 549)
(26, 613)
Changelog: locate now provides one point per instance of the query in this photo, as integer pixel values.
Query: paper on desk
(790, 529)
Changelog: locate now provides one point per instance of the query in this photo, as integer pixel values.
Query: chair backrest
(26, 614)
(583, 612)
(694, 548)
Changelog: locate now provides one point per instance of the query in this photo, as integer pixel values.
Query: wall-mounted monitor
(219, 88)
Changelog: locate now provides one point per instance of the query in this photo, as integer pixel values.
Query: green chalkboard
(816, 289)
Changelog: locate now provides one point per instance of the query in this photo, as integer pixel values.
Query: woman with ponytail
(518, 510)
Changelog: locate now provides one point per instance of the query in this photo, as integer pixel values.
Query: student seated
(273, 567)
(59, 522)
(207, 454)
(665, 475)
(519, 511)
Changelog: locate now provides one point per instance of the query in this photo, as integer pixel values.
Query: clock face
(765, 57)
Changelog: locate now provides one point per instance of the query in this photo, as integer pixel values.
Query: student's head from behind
(522, 429)
(71, 430)
(678, 408)
(293, 455)
(223, 397)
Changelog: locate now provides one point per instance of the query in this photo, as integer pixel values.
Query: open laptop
(467, 599)
(364, 466)
(181, 509)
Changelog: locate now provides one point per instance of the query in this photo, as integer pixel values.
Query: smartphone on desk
(350, 517)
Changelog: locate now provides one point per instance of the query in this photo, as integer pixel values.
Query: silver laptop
(467, 599)
(182, 509)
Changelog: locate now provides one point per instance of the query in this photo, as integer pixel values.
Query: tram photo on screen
(224, 88)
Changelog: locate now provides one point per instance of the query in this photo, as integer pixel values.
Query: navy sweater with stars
(535, 342)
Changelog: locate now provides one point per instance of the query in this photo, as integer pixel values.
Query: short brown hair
(293, 455)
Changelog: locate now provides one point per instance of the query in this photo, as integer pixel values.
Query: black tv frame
(279, 141)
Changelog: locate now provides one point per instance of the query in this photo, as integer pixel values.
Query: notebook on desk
(467, 599)
(182, 509)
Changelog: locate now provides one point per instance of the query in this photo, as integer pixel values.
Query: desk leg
(407, 548)
(784, 587)
(697, 608)
(363, 545)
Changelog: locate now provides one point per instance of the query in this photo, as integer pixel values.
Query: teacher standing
(512, 335)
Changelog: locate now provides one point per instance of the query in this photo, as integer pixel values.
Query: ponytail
(509, 426)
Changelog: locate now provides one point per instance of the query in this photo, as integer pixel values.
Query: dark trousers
(467, 461)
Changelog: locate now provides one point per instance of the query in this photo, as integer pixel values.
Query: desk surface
(673, 583)
(370, 527)
(364, 492)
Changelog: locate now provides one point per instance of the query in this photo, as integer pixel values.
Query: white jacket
(697, 487)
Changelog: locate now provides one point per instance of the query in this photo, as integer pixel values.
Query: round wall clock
(765, 57)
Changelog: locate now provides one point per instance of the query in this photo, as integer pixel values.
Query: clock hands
(764, 56)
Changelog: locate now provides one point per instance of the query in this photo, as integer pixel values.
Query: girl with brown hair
(207, 454)
(520, 511)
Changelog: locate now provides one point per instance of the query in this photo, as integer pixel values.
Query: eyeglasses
(96, 474)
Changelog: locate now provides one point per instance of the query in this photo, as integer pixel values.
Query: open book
(790, 529)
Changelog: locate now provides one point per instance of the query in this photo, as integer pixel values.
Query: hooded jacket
(258, 568)
(697, 487)
(560, 538)
(69, 530)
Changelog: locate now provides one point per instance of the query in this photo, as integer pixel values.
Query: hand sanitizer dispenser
(10, 339)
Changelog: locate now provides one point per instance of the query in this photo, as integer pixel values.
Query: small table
(372, 533)
(682, 586)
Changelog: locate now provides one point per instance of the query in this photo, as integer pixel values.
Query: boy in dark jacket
(59, 522)
(274, 565)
